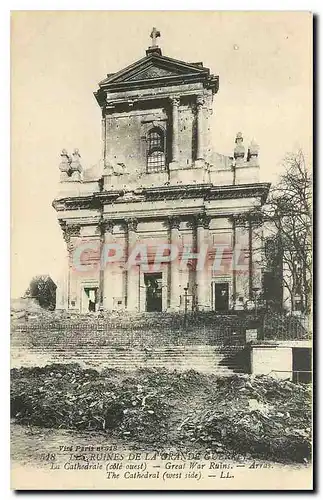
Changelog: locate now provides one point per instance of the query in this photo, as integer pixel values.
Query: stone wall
(126, 138)
(126, 132)
(271, 360)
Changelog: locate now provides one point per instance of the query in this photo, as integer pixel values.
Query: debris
(238, 415)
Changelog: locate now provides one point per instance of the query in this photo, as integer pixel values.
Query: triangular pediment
(152, 72)
(152, 68)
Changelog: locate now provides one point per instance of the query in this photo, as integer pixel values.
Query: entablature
(205, 192)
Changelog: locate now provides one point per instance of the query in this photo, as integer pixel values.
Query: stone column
(133, 272)
(202, 275)
(234, 272)
(101, 265)
(175, 291)
(199, 116)
(71, 236)
(62, 284)
(106, 271)
(175, 104)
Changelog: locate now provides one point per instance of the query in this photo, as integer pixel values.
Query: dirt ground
(155, 429)
(31, 469)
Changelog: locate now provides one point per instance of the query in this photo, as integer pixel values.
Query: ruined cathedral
(159, 181)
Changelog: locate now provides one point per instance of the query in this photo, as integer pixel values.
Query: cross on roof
(154, 35)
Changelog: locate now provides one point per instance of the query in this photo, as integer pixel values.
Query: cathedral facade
(160, 190)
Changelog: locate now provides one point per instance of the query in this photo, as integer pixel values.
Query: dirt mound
(245, 415)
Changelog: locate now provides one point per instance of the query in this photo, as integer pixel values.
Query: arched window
(156, 160)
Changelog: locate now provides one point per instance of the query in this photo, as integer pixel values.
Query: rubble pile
(252, 416)
(67, 396)
(260, 416)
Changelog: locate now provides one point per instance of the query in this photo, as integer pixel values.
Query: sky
(264, 63)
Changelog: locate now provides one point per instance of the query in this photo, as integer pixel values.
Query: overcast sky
(263, 61)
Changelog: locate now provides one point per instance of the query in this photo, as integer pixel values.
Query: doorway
(302, 364)
(154, 288)
(221, 297)
(91, 299)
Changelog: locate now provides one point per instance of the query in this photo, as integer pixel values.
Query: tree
(286, 236)
(43, 289)
(289, 213)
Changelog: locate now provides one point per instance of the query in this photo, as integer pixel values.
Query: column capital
(70, 231)
(174, 222)
(132, 224)
(66, 235)
(192, 222)
(74, 230)
(233, 218)
(254, 218)
(175, 100)
(203, 220)
(200, 100)
(106, 226)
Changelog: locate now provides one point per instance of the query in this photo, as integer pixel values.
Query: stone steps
(131, 340)
(191, 349)
(201, 358)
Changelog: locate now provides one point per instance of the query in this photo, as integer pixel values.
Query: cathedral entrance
(90, 300)
(221, 297)
(153, 283)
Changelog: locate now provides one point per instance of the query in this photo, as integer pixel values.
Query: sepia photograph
(161, 250)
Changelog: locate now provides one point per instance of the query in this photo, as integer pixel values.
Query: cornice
(240, 191)
(205, 191)
(211, 82)
(91, 201)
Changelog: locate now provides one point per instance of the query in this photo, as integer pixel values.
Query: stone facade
(159, 182)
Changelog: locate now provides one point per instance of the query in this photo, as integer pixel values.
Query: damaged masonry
(159, 181)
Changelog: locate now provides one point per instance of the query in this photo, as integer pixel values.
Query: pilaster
(175, 101)
(199, 117)
(202, 272)
(62, 285)
(175, 239)
(71, 237)
(132, 271)
(106, 268)
(234, 275)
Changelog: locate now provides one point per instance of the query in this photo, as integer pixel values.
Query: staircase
(205, 342)
(202, 358)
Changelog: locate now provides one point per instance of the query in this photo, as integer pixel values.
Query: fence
(165, 328)
(278, 326)
(135, 330)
